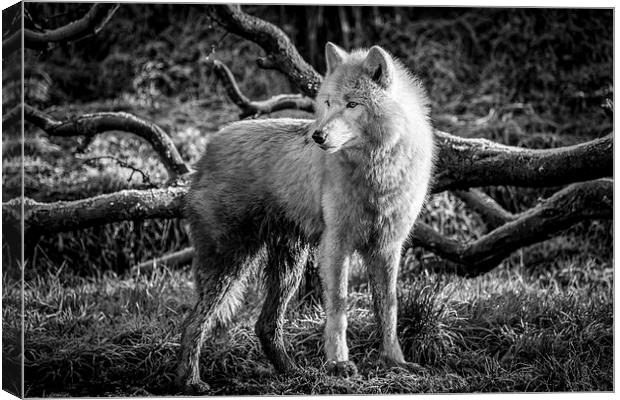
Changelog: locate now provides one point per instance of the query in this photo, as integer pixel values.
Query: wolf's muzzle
(319, 137)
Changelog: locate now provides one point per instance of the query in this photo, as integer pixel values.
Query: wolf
(354, 179)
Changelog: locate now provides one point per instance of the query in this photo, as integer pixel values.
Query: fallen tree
(573, 204)
(125, 205)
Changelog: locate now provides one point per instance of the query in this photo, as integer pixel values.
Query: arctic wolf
(353, 179)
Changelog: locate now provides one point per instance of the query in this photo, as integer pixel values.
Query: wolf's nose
(318, 137)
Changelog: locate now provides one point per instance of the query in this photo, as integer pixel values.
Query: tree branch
(125, 205)
(491, 212)
(91, 23)
(281, 53)
(575, 203)
(465, 163)
(146, 179)
(250, 108)
(91, 124)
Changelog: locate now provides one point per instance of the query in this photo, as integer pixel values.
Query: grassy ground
(508, 330)
(542, 321)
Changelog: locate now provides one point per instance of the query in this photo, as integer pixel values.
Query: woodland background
(95, 326)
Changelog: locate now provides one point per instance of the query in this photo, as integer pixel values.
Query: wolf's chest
(369, 209)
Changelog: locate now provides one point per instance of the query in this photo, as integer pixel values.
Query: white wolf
(353, 179)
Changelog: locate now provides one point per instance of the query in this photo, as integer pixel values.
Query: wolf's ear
(334, 56)
(379, 66)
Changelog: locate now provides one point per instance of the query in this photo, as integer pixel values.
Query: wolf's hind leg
(285, 265)
(220, 282)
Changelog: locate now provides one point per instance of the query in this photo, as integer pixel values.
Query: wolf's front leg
(382, 265)
(334, 259)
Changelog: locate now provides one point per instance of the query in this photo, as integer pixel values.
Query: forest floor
(541, 321)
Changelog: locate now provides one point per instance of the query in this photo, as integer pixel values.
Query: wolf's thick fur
(353, 179)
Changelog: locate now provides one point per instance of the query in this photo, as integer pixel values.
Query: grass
(542, 321)
(505, 331)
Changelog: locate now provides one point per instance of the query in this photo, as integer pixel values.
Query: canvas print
(224, 199)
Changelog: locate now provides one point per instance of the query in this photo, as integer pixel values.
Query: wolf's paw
(344, 369)
(196, 388)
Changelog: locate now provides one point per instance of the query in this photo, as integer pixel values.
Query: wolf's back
(259, 169)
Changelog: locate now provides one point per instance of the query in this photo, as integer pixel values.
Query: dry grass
(505, 331)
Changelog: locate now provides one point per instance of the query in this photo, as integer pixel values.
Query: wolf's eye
(351, 104)
(327, 102)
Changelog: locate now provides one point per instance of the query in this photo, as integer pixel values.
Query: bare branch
(178, 258)
(281, 53)
(255, 108)
(91, 23)
(124, 205)
(464, 163)
(124, 164)
(575, 203)
(91, 124)
(492, 213)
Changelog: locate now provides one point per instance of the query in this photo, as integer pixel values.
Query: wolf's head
(358, 94)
